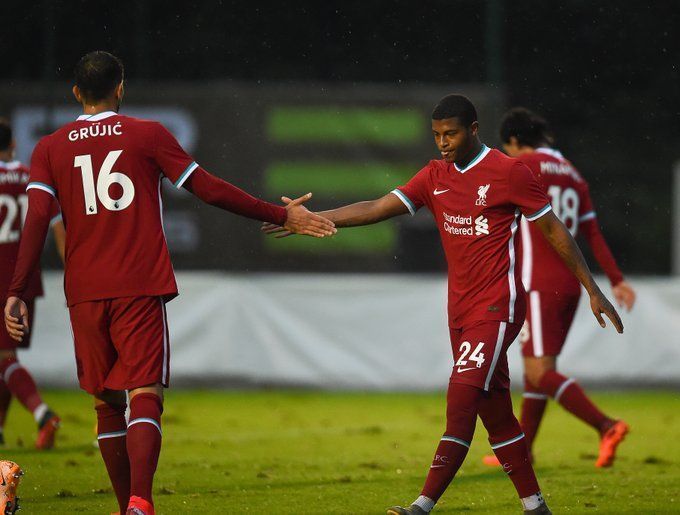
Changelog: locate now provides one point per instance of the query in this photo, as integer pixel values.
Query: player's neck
(474, 151)
(6, 156)
(102, 107)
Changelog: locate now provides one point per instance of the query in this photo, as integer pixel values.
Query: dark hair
(97, 75)
(529, 128)
(455, 106)
(5, 134)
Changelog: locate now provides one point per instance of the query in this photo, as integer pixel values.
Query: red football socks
(144, 442)
(461, 416)
(22, 386)
(534, 403)
(111, 429)
(507, 441)
(571, 396)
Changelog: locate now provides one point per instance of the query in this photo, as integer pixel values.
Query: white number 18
(105, 179)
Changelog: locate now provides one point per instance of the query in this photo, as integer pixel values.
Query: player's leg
(534, 400)
(111, 438)
(509, 446)
(541, 372)
(96, 357)
(5, 400)
(138, 328)
(144, 443)
(22, 386)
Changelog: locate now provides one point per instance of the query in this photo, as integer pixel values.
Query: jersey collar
(482, 154)
(10, 165)
(551, 152)
(96, 117)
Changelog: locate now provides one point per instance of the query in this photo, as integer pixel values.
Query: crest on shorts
(481, 192)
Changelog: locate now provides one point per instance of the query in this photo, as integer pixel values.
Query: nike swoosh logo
(465, 369)
(439, 192)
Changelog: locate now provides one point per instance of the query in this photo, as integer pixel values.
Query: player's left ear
(474, 128)
(76, 93)
(120, 91)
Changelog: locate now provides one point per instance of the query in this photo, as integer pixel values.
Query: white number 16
(105, 179)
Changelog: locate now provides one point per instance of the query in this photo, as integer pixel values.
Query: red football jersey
(13, 207)
(542, 268)
(106, 171)
(477, 210)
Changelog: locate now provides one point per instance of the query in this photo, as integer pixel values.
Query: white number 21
(105, 179)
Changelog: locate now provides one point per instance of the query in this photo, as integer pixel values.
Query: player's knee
(110, 397)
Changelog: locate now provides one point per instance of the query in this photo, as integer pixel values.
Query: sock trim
(147, 421)
(495, 446)
(531, 395)
(10, 370)
(456, 440)
(424, 503)
(113, 434)
(563, 387)
(39, 412)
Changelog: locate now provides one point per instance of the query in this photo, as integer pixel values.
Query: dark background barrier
(334, 97)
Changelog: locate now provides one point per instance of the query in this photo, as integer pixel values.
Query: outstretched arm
(294, 217)
(561, 240)
(623, 292)
(361, 213)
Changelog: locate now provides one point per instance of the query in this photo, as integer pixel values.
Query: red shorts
(480, 354)
(549, 317)
(6, 342)
(121, 343)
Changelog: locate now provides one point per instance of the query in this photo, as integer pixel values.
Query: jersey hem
(167, 296)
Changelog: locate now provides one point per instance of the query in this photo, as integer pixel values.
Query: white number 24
(105, 179)
(476, 356)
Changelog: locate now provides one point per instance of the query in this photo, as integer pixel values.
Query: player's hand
(16, 318)
(624, 295)
(277, 230)
(300, 220)
(599, 304)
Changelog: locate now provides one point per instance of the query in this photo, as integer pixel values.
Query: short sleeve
(176, 164)
(586, 210)
(414, 193)
(40, 176)
(526, 193)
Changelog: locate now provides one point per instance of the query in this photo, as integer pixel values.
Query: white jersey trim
(527, 254)
(536, 326)
(96, 117)
(511, 268)
(186, 174)
(587, 216)
(41, 186)
(482, 154)
(496, 354)
(407, 202)
(538, 214)
(551, 152)
(10, 165)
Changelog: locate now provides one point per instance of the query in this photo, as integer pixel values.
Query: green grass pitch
(313, 452)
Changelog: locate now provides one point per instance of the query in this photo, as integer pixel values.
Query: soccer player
(553, 291)
(106, 171)
(15, 379)
(477, 196)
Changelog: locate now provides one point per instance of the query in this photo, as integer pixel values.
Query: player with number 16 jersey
(106, 170)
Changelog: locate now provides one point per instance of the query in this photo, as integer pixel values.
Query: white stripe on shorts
(496, 354)
(166, 343)
(536, 325)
